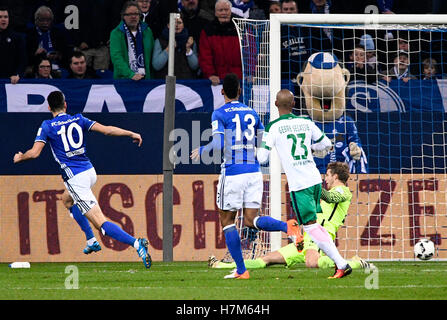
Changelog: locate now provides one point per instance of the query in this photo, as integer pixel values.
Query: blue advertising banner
(109, 95)
(398, 96)
(200, 96)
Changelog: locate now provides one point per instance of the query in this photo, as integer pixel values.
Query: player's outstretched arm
(333, 196)
(32, 153)
(324, 143)
(216, 143)
(117, 132)
(267, 144)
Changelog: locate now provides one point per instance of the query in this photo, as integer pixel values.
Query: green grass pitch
(195, 281)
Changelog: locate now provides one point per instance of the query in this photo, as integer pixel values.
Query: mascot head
(323, 83)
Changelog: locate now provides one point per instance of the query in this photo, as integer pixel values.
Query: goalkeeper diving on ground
(335, 201)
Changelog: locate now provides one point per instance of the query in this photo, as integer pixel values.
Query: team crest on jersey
(214, 125)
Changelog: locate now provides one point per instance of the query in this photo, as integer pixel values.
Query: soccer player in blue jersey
(65, 134)
(235, 129)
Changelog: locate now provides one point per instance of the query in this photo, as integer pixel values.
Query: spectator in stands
(186, 58)
(320, 6)
(12, 50)
(156, 18)
(194, 18)
(93, 35)
(294, 49)
(333, 39)
(131, 45)
(367, 42)
(42, 70)
(400, 70)
(56, 6)
(410, 42)
(219, 50)
(430, 69)
(403, 44)
(275, 7)
(289, 6)
(79, 69)
(18, 14)
(44, 39)
(358, 67)
(323, 7)
(151, 14)
(145, 6)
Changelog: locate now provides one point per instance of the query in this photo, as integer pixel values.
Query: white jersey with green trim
(292, 136)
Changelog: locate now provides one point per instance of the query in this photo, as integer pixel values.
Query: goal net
(383, 103)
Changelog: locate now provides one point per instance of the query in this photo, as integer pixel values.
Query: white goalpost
(399, 183)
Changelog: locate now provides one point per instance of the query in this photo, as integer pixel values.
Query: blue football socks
(270, 224)
(233, 242)
(82, 222)
(114, 231)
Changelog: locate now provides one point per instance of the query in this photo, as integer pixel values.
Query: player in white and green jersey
(335, 204)
(294, 139)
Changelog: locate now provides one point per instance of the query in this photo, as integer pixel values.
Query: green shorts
(291, 255)
(306, 203)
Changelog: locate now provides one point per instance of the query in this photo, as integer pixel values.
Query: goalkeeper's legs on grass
(289, 256)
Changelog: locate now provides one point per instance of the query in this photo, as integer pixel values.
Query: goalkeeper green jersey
(335, 204)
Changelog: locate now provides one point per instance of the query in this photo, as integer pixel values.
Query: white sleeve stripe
(91, 125)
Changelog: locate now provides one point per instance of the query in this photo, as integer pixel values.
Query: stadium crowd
(88, 39)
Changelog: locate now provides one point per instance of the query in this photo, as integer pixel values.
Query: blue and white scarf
(135, 50)
(45, 40)
(400, 75)
(241, 8)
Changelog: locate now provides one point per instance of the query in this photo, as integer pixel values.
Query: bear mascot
(323, 83)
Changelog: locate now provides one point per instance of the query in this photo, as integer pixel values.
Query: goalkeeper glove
(355, 151)
(322, 153)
